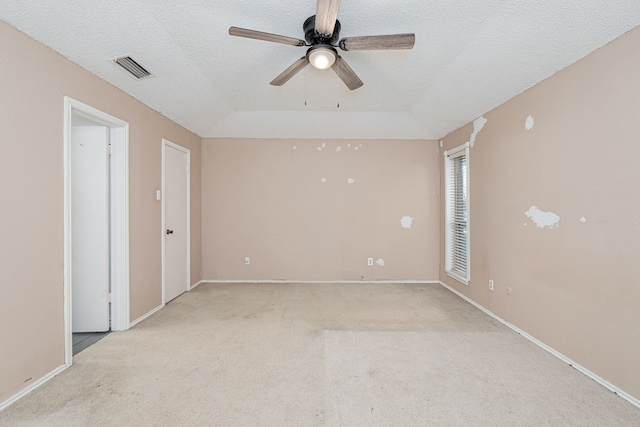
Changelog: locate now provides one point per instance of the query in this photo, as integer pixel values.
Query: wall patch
(478, 124)
(323, 180)
(338, 148)
(583, 220)
(380, 262)
(542, 219)
(528, 124)
(406, 222)
(350, 181)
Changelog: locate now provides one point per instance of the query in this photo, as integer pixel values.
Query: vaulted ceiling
(469, 57)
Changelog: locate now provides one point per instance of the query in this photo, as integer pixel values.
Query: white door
(90, 228)
(176, 220)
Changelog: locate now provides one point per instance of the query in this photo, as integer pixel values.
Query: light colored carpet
(309, 354)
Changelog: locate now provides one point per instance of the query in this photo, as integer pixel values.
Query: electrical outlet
(369, 261)
(490, 284)
(247, 260)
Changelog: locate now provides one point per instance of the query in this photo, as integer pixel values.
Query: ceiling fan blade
(346, 74)
(259, 35)
(388, 42)
(326, 15)
(290, 72)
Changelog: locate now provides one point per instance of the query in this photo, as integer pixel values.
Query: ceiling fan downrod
(313, 38)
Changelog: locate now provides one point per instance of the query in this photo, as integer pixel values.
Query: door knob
(169, 231)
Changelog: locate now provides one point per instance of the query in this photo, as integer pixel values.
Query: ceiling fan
(321, 33)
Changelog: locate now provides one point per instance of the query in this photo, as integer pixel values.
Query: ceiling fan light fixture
(322, 56)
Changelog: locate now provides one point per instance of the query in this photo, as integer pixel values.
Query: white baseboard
(140, 319)
(195, 284)
(328, 282)
(32, 387)
(582, 369)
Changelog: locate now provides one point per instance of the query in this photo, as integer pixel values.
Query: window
(456, 189)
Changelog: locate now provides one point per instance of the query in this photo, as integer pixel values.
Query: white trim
(120, 229)
(196, 284)
(67, 303)
(457, 151)
(456, 276)
(626, 396)
(120, 247)
(162, 226)
(468, 154)
(22, 393)
(366, 282)
(167, 143)
(144, 316)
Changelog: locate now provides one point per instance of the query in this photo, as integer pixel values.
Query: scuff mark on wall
(323, 180)
(350, 181)
(528, 124)
(542, 219)
(478, 124)
(380, 262)
(583, 220)
(406, 222)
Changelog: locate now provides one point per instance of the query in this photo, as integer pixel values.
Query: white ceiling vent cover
(129, 64)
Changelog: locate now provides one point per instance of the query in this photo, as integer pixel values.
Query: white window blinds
(457, 213)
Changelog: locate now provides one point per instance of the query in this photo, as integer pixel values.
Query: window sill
(458, 277)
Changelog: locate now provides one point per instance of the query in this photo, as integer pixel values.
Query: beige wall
(33, 83)
(574, 287)
(265, 199)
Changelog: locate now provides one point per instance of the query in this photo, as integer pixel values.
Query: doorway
(96, 262)
(175, 220)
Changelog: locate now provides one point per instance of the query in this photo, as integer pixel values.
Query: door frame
(119, 253)
(166, 143)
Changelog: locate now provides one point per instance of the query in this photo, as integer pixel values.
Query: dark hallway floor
(83, 340)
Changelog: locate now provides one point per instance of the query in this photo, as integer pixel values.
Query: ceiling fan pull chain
(338, 85)
(305, 87)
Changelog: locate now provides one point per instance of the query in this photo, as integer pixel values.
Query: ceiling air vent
(137, 70)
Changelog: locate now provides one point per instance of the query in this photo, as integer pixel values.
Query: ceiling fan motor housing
(314, 38)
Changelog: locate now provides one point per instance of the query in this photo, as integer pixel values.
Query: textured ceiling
(470, 56)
